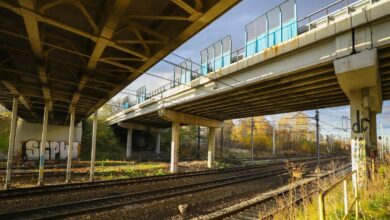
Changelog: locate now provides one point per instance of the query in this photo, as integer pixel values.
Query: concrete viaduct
(343, 59)
(62, 60)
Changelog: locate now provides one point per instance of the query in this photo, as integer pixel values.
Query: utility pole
(252, 126)
(198, 148)
(221, 153)
(317, 118)
(273, 140)
(382, 142)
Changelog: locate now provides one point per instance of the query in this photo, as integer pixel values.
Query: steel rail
(110, 202)
(242, 211)
(39, 190)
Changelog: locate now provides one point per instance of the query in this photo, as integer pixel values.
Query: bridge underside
(82, 53)
(302, 90)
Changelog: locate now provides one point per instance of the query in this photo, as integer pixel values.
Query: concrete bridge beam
(359, 78)
(184, 118)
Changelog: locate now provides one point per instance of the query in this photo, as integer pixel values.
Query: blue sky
(233, 23)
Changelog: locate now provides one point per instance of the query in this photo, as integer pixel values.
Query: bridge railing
(347, 208)
(277, 25)
(327, 13)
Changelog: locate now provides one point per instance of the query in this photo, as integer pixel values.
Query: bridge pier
(11, 146)
(359, 78)
(211, 148)
(175, 144)
(131, 126)
(158, 137)
(178, 118)
(129, 143)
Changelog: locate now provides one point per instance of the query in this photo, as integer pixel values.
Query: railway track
(41, 190)
(114, 201)
(269, 205)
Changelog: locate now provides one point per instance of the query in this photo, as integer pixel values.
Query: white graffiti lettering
(54, 150)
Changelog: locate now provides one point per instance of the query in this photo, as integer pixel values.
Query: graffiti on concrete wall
(55, 150)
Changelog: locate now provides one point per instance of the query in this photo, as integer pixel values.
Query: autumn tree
(262, 133)
(108, 145)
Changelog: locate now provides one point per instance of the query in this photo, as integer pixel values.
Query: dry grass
(374, 202)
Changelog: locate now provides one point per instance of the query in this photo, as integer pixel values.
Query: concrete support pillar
(158, 137)
(382, 149)
(175, 146)
(359, 78)
(198, 147)
(211, 148)
(42, 152)
(11, 145)
(129, 143)
(362, 142)
(221, 150)
(93, 149)
(70, 148)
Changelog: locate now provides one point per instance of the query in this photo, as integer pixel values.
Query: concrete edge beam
(185, 118)
(140, 127)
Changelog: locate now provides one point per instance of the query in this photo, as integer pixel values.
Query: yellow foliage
(241, 133)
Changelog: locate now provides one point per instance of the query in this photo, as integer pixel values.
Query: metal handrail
(347, 209)
(323, 9)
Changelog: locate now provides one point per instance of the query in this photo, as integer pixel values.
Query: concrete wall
(29, 135)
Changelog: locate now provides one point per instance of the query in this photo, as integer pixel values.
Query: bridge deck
(83, 53)
(295, 75)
